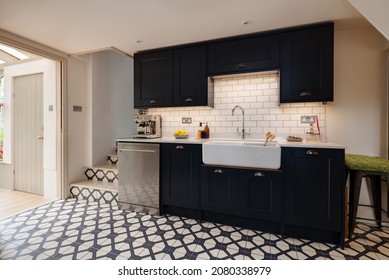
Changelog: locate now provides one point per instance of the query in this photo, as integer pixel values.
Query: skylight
(13, 52)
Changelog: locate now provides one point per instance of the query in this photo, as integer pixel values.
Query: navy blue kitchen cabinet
(232, 56)
(219, 190)
(180, 175)
(190, 77)
(260, 194)
(306, 73)
(153, 79)
(171, 78)
(244, 193)
(314, 193)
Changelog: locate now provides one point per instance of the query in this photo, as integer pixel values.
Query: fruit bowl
(181, 136)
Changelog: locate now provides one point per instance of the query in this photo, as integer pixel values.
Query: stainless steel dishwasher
(138, 165)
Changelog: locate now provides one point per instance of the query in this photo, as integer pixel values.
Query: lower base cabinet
(180, 175)
(244, 193)
(314, 193)
(304, 199)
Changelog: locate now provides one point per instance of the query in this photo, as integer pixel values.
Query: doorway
(28, 133)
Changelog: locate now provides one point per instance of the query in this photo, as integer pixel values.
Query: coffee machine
(147, 126)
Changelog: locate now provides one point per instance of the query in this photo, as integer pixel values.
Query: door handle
(219, 171)
(189, 100)
(312, 152)
(179, 147)
(40, 137)
(305, 94)
(259, 174)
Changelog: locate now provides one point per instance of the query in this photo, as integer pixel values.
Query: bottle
(206, 129)
(199, 131)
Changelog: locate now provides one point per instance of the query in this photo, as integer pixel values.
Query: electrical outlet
(187, 120)
(308, 119)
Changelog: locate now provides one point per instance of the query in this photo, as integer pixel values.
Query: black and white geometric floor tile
(78, 229)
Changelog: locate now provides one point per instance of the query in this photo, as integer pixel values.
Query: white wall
(358, 117)
(102, 83)
(48, 68)
(112, 102)
(78, 131)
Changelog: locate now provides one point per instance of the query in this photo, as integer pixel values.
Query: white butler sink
(243, 153)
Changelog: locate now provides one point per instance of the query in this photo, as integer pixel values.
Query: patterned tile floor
(77, 229)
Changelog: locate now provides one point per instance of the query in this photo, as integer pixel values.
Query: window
(1, 115)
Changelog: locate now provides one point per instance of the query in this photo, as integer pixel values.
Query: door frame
(44, 51)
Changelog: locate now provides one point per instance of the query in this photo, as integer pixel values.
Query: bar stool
(359, 166)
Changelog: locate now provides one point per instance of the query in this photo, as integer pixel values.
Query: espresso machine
(147, 126)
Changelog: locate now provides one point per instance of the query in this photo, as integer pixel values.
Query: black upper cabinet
(173, 78)
(307, 65)
(244, 55)
(314, 188)
(190, 76)
(180, 175)
(153, 79)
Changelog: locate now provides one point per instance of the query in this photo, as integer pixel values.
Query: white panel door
(28, 133)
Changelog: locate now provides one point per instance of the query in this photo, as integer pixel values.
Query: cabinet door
(190, 76)
(307, 65)
(153, 79)
(314, 187)
(244, 55)
(260, 194)
(219, 190)
(180, 175)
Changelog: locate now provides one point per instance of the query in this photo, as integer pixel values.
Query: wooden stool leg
(355, 190)
(387, 194)
(375, 182)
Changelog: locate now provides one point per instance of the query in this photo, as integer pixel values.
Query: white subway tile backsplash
(258, 95)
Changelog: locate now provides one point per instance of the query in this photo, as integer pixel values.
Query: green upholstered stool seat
(360, 166)
(366, 163)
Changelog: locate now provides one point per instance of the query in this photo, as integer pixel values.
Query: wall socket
(187, 120)
(308, 119)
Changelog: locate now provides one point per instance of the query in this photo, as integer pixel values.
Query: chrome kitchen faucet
(244, 133)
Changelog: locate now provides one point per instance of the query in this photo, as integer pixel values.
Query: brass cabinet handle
(179, 147)
(153, 101)
(241, 66)
(40, 137)
(218, 171)
(188, 100)
(312, 152)
(259, 174)
(305, 94)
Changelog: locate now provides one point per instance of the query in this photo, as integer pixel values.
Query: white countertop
(283, 142)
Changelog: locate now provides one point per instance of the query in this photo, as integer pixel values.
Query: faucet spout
(243, 129)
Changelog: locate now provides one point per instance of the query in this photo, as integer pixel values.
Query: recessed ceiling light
(247, 22)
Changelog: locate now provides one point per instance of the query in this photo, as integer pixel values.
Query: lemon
(180, 132)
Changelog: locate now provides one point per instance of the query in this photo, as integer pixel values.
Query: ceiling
(81, 26)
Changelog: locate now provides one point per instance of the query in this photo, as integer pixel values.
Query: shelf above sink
(243, 153)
